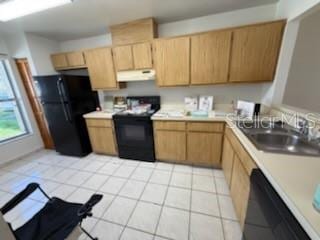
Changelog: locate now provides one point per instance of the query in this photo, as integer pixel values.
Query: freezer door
(78, 88)
(47, 88)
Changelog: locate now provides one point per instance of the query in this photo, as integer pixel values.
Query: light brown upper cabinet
(255, 51)
(142, 56)
(123, 58)
(101, 69)
(172, 61)
(210, 55)
(59, 61)
(133, 57)
(76, 59)
(69, 60)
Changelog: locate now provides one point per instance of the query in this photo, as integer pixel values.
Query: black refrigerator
(64, 99)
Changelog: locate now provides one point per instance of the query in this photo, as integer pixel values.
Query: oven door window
(134, 134)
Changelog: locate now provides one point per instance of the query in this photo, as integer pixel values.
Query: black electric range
(134, 131)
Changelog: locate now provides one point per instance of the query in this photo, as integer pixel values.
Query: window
(12, 121)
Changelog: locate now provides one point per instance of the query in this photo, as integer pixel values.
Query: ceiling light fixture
(12, 9)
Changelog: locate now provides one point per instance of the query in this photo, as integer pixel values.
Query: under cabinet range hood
(138, 75)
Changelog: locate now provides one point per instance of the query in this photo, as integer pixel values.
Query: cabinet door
(59, 61)
(76, 59)
(210, 55)
(204, 148)
(240, 189)
(101, 68)
(142, 56)
(227, 159)
(255, 51)
(172, 61)
(102, 140)
(170, 145)
(123, 58)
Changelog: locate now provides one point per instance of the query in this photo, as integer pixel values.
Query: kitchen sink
(279, 138)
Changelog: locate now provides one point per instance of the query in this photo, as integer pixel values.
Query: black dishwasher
(268, 217)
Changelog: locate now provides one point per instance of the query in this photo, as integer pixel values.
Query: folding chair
(57, 220)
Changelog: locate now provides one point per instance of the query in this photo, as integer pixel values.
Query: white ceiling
(85, 18)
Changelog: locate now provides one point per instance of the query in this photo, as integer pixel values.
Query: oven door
(134, 132)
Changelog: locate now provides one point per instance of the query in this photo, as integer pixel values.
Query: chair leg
(88, 234)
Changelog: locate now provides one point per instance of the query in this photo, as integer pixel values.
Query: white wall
(292, 9)
(302, 89)
(40, 49)
(92, 42)
(20, 147)
(221, 20)
(3, 47)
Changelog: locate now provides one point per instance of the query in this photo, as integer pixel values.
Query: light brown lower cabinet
(237, 166)
(170, 145)
(240, 189)
(196, 143)
(227, 159)
(204, 148)
(102, 137)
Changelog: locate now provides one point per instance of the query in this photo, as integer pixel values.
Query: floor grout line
(37, 164)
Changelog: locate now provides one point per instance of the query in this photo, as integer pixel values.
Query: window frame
(17, 100)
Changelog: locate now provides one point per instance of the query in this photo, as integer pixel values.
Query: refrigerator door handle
(66, 115)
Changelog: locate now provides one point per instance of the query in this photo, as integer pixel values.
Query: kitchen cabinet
(142, 56)
(172, 61)
(240, 189)
(102, 137)
(171, 145)
(195, 143)
(210, 56)
(255, 51)
(204, 148)
(133, 57)
(137, 31)
(170, 140)
(101, 69)
(227, 159)
(123, 58)
(76, 59)
(204, 143)
(69, 60)
(59, 61)
(237, 166)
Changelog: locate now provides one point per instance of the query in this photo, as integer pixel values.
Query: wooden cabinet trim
(170, 125)
(93, 122)
(205, 127)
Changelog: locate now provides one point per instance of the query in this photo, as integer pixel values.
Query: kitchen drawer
(205, 127)
(99, 123)
(170, 125)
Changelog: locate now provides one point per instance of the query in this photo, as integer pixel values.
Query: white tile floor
(142, 201)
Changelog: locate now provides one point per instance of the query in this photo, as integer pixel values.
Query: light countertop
(100, 114)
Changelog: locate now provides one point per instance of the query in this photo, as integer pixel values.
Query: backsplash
(174, 97)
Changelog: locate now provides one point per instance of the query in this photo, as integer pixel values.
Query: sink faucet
(303, 126)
